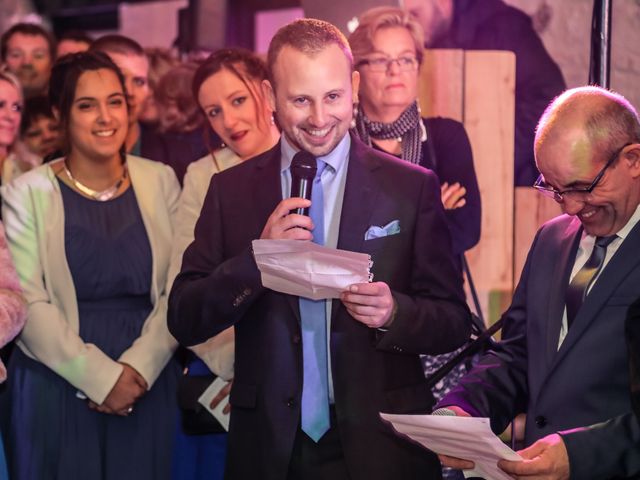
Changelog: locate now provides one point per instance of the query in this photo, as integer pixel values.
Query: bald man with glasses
(563, 359)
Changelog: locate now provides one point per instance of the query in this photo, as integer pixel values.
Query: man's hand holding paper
(298, 271)
(453, 462)
(370, 303)
(547, 458)
(309, 270)
(457, 437)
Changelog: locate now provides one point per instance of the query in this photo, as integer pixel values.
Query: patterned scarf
(407, 128)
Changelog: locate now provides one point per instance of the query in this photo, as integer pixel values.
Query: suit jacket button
(541, 421)
(295, 338)
(291, 402)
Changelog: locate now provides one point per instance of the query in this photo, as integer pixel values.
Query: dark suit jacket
(633, 345)
(372, 371)
(586, 381)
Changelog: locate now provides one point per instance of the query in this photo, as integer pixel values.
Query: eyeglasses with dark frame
(382, 64)
(559, 196)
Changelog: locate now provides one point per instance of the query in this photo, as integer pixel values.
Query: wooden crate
(478, 89)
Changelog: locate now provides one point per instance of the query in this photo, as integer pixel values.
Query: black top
(176, 149)
(448, 142)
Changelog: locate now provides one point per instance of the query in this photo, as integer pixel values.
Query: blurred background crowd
(132, 131)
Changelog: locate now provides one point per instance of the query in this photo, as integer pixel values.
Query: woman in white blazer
(92, 384)
(227, 87)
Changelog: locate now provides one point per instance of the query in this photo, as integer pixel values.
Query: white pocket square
(391, 228)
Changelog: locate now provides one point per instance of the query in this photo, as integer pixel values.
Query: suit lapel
(360, 194)
(624, 261)
(564, 260)
(267, 192)
(266, 183)
(359, 198)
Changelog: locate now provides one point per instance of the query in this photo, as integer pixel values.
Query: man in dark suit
(563, 358)
(633, 345)
(376, 330)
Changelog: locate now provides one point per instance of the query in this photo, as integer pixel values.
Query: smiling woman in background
(92, 384)
(12, 164)
(11, 106)
(227, 87)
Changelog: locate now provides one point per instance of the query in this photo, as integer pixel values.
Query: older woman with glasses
(387, 50)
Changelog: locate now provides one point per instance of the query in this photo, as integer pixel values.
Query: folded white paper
(461, 437)
(208, 395)
(309, 270)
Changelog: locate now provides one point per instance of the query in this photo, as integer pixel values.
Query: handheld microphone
(303, 171)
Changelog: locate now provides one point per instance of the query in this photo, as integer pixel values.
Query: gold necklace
(101, 196)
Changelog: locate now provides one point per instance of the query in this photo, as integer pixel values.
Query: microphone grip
(301, 187)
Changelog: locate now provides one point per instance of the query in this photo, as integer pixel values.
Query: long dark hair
(64, 80)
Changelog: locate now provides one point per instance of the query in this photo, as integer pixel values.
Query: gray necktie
(579, 286)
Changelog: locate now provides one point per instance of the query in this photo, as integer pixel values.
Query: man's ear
(632, 157)
(269, 94)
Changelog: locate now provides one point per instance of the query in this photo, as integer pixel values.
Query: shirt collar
(335, 159)
(635, 218)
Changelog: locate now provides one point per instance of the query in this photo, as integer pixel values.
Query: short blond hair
(10, 78)
(309, 36)
(374, 19)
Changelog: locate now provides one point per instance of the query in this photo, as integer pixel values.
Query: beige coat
(19, 161)
(34, 221)
(217, 352)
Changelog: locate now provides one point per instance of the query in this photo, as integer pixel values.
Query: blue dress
(53, 433)
(198, 457)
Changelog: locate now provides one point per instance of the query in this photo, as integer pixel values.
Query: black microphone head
(303, 171)
(303, 166)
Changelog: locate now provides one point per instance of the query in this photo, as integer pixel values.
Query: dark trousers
(318, 461)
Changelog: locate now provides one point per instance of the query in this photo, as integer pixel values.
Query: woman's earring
(272, 120)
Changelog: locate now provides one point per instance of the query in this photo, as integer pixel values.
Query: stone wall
(565, 29)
